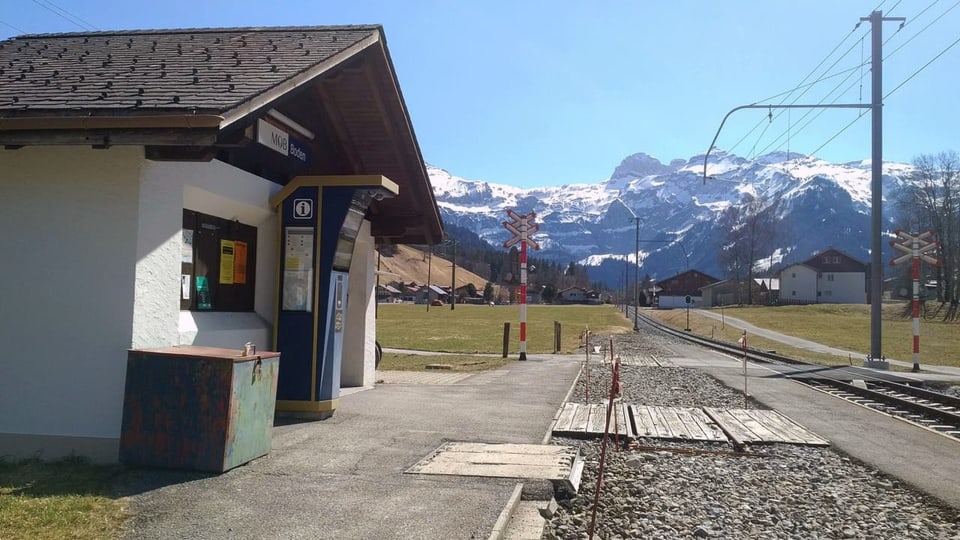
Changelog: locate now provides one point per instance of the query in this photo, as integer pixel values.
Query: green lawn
(838, 325)
(65, 499)
(479, 329)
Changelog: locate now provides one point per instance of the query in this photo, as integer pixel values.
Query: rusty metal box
(197, 408)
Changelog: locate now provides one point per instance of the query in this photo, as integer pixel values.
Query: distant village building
(389, 294)
(675, 290)
(577, 295)
(829, 277)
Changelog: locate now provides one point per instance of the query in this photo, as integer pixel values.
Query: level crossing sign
(916, 248)
(521, 227)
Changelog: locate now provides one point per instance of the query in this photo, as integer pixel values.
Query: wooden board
(674, 423)
(589, 420)
(756, 426)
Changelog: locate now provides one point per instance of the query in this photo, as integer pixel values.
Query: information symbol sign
(302, 208)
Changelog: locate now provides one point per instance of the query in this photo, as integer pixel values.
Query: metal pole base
(523, 356)
(916, 368)
(875, 363)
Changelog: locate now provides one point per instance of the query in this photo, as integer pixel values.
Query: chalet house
(388, 294)
(429, 293)
(675, 290)
(829, 277)
(144, 183)
(577, 295)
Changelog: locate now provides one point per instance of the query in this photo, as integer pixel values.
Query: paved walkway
(949, 372)
(344, 477)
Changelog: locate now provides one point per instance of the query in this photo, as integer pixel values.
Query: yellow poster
(226, 262)
(240, 262)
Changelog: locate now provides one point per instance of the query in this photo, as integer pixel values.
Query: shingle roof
(160, 71)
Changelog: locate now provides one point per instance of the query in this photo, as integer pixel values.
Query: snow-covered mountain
(817, 204)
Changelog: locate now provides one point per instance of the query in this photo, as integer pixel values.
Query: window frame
(204, 256)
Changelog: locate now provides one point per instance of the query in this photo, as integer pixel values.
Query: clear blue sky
(531, 93)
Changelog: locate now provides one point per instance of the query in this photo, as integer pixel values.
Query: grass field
(471, 329)
(66, 499)
(837, 325)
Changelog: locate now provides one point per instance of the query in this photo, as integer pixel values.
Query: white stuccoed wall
(69, 226)
(358, 367)
(92, 248)
(92, 244)
(220, 190)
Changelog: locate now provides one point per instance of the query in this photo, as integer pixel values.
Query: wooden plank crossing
(675, 423)
(589, 420)
(742, 426)
(755, 426)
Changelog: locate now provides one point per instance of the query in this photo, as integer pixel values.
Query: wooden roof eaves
(428, 192)
(257, 103)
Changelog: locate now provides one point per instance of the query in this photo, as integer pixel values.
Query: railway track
(926, 408)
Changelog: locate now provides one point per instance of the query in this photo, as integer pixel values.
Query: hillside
(411, 264)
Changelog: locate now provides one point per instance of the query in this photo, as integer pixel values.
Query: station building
(147, 179)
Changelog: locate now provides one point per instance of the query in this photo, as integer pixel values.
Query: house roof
(197, 94)
(193, 71)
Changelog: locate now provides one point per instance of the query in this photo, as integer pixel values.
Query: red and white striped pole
(915, 246)
(523, 292)
(522, 228)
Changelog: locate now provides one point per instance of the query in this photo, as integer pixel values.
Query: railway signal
(916, 247)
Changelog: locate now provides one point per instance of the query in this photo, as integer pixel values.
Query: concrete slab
(527, 461)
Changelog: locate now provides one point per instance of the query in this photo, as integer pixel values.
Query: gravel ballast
(676, 489)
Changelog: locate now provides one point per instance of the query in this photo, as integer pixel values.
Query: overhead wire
(800, 85)
(844, 128)
(902, 83)
(12, 27)
(827, 70)
(807, 86)
(824, 77)
(64, 14)
(869, 59)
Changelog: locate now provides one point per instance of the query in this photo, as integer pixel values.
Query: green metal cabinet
(198, 408)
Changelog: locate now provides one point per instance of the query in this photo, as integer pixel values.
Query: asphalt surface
(344, 477)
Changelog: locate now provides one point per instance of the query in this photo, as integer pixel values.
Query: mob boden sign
(281, 141)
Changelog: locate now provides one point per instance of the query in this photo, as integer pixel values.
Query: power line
(64, 14)
(932, 60)
(861, 113)
(827, 70)
(8, 25)
(914, 74)
(931, 23)
(801, 84)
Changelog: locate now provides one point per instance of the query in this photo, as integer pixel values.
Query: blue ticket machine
(320, 217)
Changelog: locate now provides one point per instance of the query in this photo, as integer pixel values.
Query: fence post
(556, 337)
(506, 339)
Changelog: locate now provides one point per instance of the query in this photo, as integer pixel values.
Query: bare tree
(933, 199)
(749, 232)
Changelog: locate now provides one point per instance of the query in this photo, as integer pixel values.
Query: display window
(218, 264)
